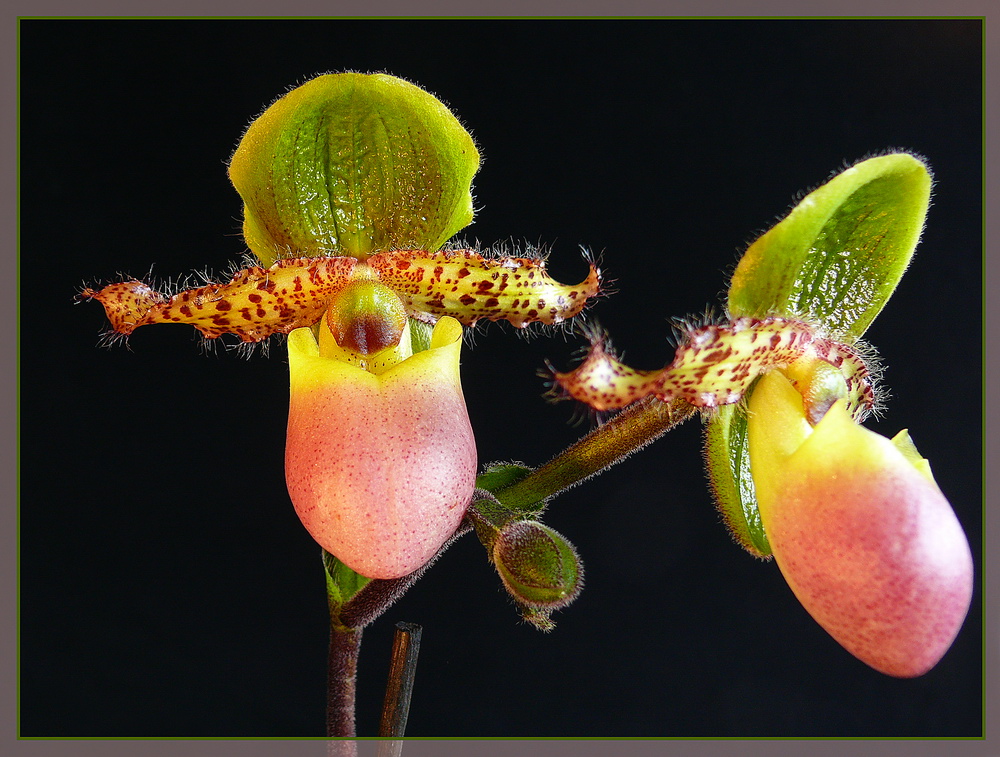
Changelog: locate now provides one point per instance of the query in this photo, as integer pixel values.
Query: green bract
(342, 583)
(727, 457)
(838, 255)
(351, 164)
(833, 261)
(498, 476)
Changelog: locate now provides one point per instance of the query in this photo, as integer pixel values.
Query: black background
(167, 588)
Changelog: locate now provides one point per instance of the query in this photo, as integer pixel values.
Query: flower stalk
(625, 433)
(342, 673)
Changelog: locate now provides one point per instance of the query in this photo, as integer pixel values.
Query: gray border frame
(499, 748)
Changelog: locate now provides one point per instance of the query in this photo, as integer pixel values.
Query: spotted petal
(714, 366)
(295, 292)
(469, 287)
(256, 303)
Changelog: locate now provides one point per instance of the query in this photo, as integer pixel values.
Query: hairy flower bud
(539, 567)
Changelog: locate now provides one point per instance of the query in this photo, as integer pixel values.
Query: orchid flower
(856, 523)
(351, 185)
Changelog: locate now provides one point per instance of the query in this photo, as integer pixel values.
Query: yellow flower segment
(380, 466)
(860, 530)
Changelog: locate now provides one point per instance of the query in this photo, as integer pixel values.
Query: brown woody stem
(396, 709)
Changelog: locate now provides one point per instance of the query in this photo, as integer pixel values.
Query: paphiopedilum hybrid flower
(860, 530)
(380, 463)
(351, 184)
(855, 521)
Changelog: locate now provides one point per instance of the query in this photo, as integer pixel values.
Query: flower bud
(538, 566)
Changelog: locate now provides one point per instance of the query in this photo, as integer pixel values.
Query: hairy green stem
(632, 429)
